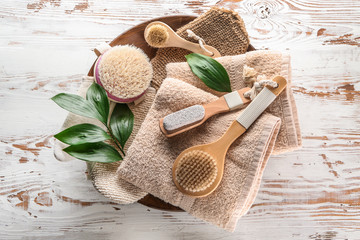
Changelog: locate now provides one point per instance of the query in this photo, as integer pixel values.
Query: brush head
(183, 118)
(157, 35)
(196, 171)
(125, 73)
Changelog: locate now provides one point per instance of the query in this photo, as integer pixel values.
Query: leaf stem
(114, 139)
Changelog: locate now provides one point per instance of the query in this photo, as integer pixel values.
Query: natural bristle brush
(160, 35)
(198, 170)
(124, 71)
(191, 117)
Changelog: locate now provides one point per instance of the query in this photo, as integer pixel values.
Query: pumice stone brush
(124, 71)
(191, 117)
(198, 170)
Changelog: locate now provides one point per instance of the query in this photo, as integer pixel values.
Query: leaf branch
(86, 140)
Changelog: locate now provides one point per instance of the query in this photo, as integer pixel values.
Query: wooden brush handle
(222, 144)
(228, 102)
(195, 47)
(215, 107)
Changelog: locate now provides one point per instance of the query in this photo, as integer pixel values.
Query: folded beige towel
(103, 175)
(221, 28)
(268, 64)
(150, 158)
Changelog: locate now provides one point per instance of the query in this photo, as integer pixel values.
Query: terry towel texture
(268, 64)
(103, 175)
(149, 160)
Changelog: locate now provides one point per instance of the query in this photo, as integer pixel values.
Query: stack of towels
(150, 155)
(149, 160)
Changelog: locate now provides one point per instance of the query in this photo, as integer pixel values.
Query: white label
(233, 100)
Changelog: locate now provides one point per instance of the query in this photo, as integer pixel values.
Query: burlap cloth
(221, 28)
(150, 158)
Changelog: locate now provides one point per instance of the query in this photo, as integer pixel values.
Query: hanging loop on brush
(201, 41)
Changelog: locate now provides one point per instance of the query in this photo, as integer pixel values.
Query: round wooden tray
(135, 36)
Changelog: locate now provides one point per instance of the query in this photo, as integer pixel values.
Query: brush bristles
(157, 35)
(125, 71)
(196, 171)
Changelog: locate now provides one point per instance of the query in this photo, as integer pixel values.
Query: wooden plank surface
(312, 193)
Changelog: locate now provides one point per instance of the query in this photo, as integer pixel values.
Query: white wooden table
(45, 48)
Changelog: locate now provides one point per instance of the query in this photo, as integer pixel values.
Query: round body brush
(191, 117)
(198, 170)
(124, 71)
(160, 35)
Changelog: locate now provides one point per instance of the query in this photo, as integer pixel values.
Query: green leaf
(122, 123)
(82, 133)
(76, 104)
(210, 71)
(94, 152)
(97, 96)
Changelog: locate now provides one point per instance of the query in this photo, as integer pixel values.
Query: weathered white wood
(312, 193)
